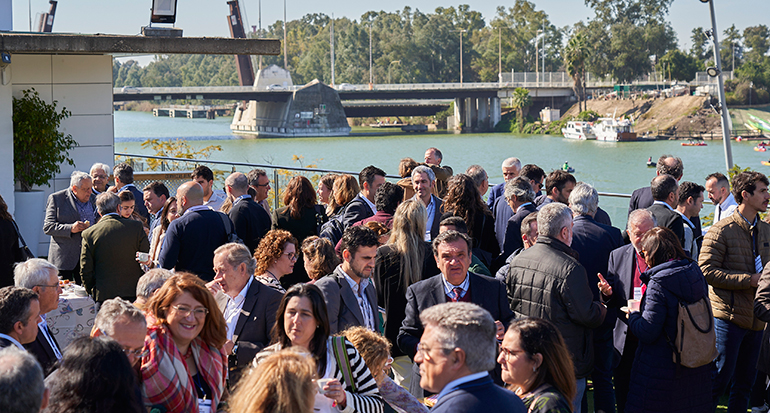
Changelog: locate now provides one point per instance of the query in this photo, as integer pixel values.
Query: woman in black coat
(463, 200)
(657, 383)
(10, 252)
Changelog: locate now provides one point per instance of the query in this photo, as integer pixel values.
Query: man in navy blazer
(455, 283)
(665, 192)
(511, 168)
(667, 164)
(124, 181)
(624, 267)
(502, 210)
(249, 307)
(424, 184)
(192, 238)
(456, 351)
(362, 206)
(251, 221)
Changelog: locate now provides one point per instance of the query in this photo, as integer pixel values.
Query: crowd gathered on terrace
(439, 292)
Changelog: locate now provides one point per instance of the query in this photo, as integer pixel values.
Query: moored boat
(578, 130)
(694, 143)
(613, 130)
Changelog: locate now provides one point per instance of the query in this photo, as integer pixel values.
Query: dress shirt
(233, 309)
(523, 205)
(216, 200)
(431, 207)
(13, 340)
(43, 326)
(370, 203)
(449, 288)
(86, 210)
(664, 204)
(244, 196)
(359, 290)
(452, 385)
(725, 209)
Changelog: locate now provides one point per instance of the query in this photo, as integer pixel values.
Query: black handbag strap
(18, 232)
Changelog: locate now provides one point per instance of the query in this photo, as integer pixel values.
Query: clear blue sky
(208, 17)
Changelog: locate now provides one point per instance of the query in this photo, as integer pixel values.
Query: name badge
(758, 263)
(637, 293)
(204, 406)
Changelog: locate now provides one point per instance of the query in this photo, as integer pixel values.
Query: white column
(458, 113)
(494, 112)
(6, 142)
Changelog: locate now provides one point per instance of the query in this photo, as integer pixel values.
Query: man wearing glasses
(119, 320)
(108, 257)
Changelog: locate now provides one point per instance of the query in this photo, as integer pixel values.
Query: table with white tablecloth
(74, 317)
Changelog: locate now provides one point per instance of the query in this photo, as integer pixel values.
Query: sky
(200, 18)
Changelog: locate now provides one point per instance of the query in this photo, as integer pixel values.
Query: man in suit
(259, 187)
(251, 221)
(68, 212)
(21, 379)
(665, 192)
(120, 321)
(502, 210)
(558, 185)
(667, 165)
(362, 206)
(624, 268)
(42, 277)
(124, 181)
(192, 238)
(19, 315)
(690, 204)
(480, 178)
(387, 199)
(511, 168)
(155, 196)
(455, 353)
(452, 251)
(249, 307)
(520, 195)
(348, 291)
(424, 184)
(593, 242)
(108, 257)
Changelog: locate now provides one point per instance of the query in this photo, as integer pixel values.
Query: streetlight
(371, 76)
(285, 44)
(722, 104)
(461, 54)
(389, 67)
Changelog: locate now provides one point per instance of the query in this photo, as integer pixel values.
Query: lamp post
(285, 46)
(500, 54)
(389, 67)
(537, 57)
(722, 104)
(461, 54)
(371, 74)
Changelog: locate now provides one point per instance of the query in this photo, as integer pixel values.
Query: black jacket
(668, 218)
(547, 281)
(251, 222)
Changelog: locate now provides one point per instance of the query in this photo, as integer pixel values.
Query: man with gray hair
(593, 242)
(148, 283)
(22, 389)
(101, 174)
(259, 183)
(547, 281)
(480, 178)
(511, 169)
(119, 320)
(249, 307)
(455, 353)
(108, 257)
(67, 213)
(424, 184)
(520, 195)
(251, 220)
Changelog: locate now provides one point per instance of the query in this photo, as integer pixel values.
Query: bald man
(192, 238)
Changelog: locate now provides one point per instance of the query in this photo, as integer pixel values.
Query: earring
(534, 369)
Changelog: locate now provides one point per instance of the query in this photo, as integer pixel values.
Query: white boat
(578, 130)
(613, 130)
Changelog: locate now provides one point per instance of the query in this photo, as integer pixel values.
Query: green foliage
(700, 49)
(757, 39)
(587, 116)
(678, 66)
(575, 56)
(39, 148)
(177, 71)
(521, 101)
(178, 148)
(732, 38)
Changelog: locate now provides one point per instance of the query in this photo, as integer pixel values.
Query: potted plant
(39, 149)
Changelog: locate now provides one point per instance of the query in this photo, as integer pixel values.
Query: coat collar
(558, 245)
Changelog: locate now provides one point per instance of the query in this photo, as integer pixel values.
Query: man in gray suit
(348, 291)
(67, 213)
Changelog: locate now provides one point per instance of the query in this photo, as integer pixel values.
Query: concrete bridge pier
(482, 123)
(494, 112)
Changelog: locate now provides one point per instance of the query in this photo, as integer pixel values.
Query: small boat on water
(694, 143)
(761, 147)
(579, 130)
(651, 163)
(567, 168)
(613, 130)
(766, 163)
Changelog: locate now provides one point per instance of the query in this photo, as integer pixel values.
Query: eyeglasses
(185, 311)
(292, 256)
(49, 286)
(510, 354)
(425, 351)
(135, 352)
(267, 184)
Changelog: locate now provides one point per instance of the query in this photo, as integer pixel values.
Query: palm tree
(575, 56)
(521, 101)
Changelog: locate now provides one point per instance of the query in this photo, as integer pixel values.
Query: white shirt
(664, 204)
(233, 309)
(359, 290)
(217, 199)
(43, 326)
(13, 340)
(725, 209)
(462, 380)
(368, 202)
(431, 207)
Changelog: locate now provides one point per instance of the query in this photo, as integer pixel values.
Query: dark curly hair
(271, 248)
(463, 200)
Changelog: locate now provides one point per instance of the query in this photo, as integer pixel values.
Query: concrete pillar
(470, 109)
(483, 117)
(6, 142)
(459, 113)
(494, 112)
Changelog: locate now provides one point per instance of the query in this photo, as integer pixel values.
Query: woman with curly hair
(320, 258)
(302, 217)
(463, 200)
(276, 255)
(345, 189)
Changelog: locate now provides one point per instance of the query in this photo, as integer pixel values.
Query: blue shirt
(449, 288)
(86, 210)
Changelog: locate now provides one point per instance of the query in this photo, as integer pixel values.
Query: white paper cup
(633, 305)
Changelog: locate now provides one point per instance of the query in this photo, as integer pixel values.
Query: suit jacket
(496, 192)
(513, 230)
(356, 210)
(434, 226)
(5, 343)
(594, 242)
(43, 352)
(620, 275)
(60, 214)
(479, 396)
(139, 196)
(251, 222)
(342, 304)
(108, 257)
(602, 217)
(502, 213)
(669, 219)
(190, 243)
(252, 330)
(640, 198)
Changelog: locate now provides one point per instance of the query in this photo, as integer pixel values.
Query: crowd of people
(363, 295)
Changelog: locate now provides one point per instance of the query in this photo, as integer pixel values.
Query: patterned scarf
(166, 379)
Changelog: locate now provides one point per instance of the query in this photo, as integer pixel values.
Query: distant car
(274, 87)
(346, 86)
(129, 89)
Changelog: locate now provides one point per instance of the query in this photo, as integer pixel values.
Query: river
(610, 167)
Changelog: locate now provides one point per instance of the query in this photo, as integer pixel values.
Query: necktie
(457, 291)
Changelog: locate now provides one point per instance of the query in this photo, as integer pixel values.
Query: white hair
(33, 272)
(552, 218)
(104, 167)
(512, 163)
(78, 177)
(584, 200)
(468, 327)
(422, 169)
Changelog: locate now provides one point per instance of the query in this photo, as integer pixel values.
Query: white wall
(83, 85)
(6, 15)
(6, 143)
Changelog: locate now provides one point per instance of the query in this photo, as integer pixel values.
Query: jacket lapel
(71, 198)
(348, 297)
(248, 306)
(437, 291)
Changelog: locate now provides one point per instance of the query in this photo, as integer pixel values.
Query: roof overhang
(55, 43)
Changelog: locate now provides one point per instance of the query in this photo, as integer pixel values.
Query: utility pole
(331, 40)
(500, 54)
(461, 55)
(285, 46)
(371, 74)
(722, 103)
(259, 34)
(543, 50)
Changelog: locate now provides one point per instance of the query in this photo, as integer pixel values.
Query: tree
(728, 44)
(521, 101)
(679, 66)
(637, 12)
(700, 49)
(757, 39)
(575, 56)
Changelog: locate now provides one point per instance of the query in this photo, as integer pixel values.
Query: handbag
(26, 253)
